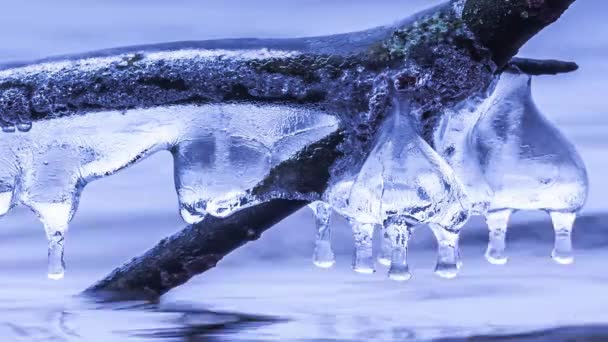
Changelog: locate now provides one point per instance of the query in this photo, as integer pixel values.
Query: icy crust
(220, 152)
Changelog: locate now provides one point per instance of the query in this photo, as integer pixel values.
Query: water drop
(8, 129)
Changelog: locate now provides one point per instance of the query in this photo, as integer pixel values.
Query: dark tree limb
(199, 247)
(537, 67)
(502, 27)
(505, 26)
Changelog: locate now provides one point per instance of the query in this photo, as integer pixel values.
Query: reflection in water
(192, 324)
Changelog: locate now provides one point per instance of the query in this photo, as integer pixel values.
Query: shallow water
(269, 290)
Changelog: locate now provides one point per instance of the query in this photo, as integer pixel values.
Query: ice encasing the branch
(220, 152)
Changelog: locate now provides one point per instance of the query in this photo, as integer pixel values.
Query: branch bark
(537, 67)
(502, 27)
(199, 247)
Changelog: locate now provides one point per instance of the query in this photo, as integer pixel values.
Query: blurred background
(123, 215)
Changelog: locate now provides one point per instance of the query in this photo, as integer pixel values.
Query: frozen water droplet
(562, 224)
(56, 263)
(400, 236)
(24, 127)
(323, 255)
(448, 252)
(497, 224)
(363, 260)
(8, 129)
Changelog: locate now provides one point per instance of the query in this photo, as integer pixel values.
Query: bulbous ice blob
(528, 164)
(323, 255)
(229, 149)
(403, 179)
(46, 167)
(212, 173)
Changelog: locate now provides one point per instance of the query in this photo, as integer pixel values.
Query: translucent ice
(230, 148)
(398, 234)
(454, 144)
(528, 164)
(404, 180)
(323, 255)
(220, 151)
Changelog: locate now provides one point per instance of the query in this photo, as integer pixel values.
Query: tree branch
(537, 67)
(199, 247)
(500, 26)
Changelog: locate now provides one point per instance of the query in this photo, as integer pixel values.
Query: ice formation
(220, 152)
(507, 157)
(403, 183)
(323, 255)
(231, 110)
(528, 164)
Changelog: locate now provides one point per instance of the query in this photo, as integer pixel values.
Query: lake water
(269, 290)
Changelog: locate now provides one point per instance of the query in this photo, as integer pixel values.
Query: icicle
(232, 148)
(56, 262)
(363, 260)
(323, 256)
(386, 247)
(448, 252)
(6, 200)
(399, 234)
(562, 224)
(55, 218)
(497, 224)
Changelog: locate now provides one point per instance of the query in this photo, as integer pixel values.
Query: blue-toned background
(123, 215)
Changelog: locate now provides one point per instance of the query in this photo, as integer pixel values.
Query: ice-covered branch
(256, 127)
(350, 75)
